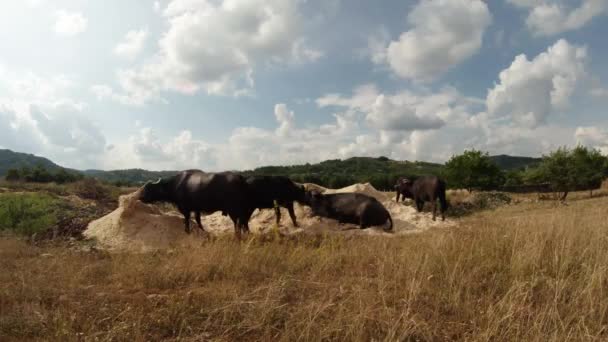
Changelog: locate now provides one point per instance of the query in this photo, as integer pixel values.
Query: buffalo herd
(237, 196)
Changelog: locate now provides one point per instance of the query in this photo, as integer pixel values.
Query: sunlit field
(531, 271)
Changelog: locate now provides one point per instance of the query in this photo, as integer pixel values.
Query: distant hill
(381, 172)
(509, 163)
(15, 160)
(130, 176)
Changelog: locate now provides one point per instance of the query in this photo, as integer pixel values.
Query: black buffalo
(200, 192)
(264, 191)
(424, 189)
(353, 208)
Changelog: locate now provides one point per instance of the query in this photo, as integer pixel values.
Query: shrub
(472, 170)
(27, 214)
(570, 170)
(91, 188)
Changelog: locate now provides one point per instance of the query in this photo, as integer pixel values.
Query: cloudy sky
(234, 84)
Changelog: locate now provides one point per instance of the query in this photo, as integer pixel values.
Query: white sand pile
(142, 227)
(137, 226)
(406, 218)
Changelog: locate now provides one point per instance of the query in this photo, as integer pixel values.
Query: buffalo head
(404, 187)
(155, 192)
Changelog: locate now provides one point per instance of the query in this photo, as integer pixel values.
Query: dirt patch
(142, 227)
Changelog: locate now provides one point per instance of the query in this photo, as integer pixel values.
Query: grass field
(525, 272)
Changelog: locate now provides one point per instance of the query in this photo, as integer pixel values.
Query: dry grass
(527, 272)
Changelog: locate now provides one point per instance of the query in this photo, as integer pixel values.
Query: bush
(571, 170)
(92, 189)
(27, 214)
(473, 170)
(41, 175)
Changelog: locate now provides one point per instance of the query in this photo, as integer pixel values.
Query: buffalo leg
(434, 209)
(419, 205)
(197, 216)
(186, 220)
(277, 214)
(398, 196)
(292, 214)
(237, 230)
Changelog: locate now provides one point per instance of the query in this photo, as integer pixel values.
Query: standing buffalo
(354, 208)
(196, 191)
(424, 189)
(264, 191)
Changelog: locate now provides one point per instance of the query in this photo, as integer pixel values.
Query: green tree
(472, 170)
(514, 178)
(12, 175)
(569, 170)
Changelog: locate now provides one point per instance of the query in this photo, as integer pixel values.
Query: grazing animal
(200, 192)
(354, 208)
(424, 189)
(265, 190)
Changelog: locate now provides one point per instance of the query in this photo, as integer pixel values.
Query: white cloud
(529, 91)
(443, 33)
(404, 110)
(132, 45)
(69, 23)
(551, 17)
(593, 136)
(37, 115)
(215, 46)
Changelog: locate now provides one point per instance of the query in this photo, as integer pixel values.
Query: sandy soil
(142, 227)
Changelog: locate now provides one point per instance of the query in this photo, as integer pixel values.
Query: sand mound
(139, 227)
(142, 227)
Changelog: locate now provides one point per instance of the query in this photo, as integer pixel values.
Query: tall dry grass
(529, 272)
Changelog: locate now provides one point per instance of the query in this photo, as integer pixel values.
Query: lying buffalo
(424, 189)
(265, 190)
(354, 208)
(199, 192)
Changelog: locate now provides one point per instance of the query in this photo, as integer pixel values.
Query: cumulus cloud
(404, 110)
(69, 23)
(593, 136)
(443, 33)
(38, 116)
(215, 46)
(551, 17)
(530, 90)
(132, 44)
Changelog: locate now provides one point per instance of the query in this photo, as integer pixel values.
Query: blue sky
(235, 84)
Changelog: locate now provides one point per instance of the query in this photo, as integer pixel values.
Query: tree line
(40, 174)
(561, 171)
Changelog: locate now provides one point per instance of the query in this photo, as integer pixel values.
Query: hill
(129, 176)
(508, 163)
(382, 172)
(15, 160)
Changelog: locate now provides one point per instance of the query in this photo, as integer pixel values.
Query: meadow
(530, 271)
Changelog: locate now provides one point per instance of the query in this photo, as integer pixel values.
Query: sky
(236, 84)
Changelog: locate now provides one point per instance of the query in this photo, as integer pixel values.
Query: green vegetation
(40, 174)
(473, 170)
(27, 213)
(569, 170)
(130, 177)
(381, 172)
(508, 163)
(15, 160)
